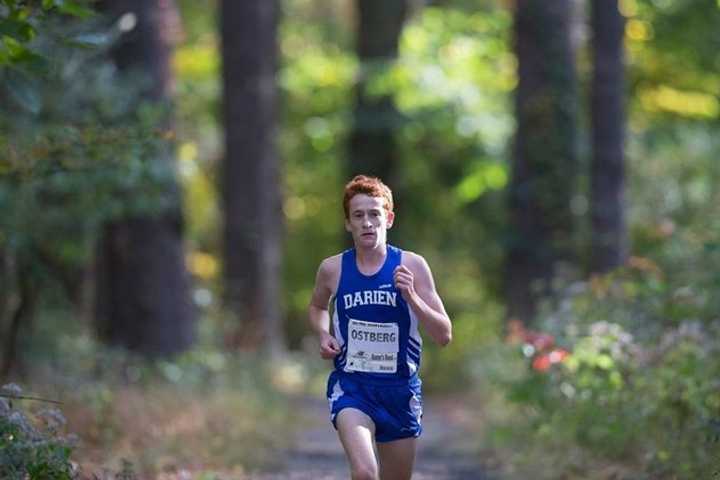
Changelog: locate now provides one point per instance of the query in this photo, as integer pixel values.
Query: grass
(163, 429)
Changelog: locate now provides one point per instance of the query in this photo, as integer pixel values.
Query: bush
(637, 397)
(32, 447)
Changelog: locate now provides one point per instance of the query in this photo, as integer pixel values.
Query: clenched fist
(329, 346)
(404, 281)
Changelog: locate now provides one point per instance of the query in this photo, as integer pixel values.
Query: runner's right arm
(318, 310)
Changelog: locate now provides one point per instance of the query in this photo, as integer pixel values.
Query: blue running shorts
(395, 409)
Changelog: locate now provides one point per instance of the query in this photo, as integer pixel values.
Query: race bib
(372, 347)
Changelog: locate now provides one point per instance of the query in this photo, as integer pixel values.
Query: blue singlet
(376, 370)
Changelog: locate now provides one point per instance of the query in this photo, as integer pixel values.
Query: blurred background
(171, 176)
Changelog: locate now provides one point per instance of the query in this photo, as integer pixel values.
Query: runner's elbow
(316, 309)
(444, 338)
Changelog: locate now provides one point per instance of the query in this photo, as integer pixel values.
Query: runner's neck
(371, 260)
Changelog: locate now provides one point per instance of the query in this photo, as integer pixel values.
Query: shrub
(32, 447)
(638, 399)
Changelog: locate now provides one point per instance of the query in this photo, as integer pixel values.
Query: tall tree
(609, 233)
(544, 164)
(373, 147)
(142, 295)
(251, 177)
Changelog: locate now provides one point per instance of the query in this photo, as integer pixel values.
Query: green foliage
(21, 22)
(673, 59)
(638, 396)
(642, 399)
(32, 447)
(72, 162)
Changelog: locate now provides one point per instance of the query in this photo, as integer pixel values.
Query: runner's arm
(415, 281)
(318, 315)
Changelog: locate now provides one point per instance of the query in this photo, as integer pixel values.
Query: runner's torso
(377, 331)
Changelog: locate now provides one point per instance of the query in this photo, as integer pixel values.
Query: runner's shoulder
(330, 267)
(414, 261)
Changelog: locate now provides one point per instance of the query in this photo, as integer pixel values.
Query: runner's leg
(356, 431)
(397, 458)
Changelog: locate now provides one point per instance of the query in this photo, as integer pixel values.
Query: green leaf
(23, 89)
(34, 63)
(75, 9)
(15, 53)
(21, 12)
(17, 29)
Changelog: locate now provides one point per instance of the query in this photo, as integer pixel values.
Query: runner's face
(369, 221)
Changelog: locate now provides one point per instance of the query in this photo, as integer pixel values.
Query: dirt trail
(444, 449)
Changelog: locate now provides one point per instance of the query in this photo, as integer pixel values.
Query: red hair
(371, 186)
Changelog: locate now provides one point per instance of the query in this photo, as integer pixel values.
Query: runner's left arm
(414, 280)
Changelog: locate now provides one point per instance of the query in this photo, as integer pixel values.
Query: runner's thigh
(397, 459)
(356, 431)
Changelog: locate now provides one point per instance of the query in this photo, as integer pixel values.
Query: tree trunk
(609, 233)
(5, 287)
(373, 147)
(21, 317)
(143, 288)
(544, 166)
(251, 178)
(142, 298)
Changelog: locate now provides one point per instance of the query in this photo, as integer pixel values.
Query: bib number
(372, 347)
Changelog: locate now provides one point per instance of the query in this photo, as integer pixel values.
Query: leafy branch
(28, 397)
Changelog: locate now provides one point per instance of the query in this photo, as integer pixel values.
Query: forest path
(445, 451)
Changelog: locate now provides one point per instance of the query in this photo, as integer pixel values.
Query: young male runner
(377, 295)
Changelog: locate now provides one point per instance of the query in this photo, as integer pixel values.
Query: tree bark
(21, 316)
(5, 287)
(373, 146)
(251, 177)
(544, 164)
(143, 287)
(609, 242)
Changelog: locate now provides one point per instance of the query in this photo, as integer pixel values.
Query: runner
(377, 296)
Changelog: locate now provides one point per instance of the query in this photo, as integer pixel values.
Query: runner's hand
(404, 281)
(329, 346)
